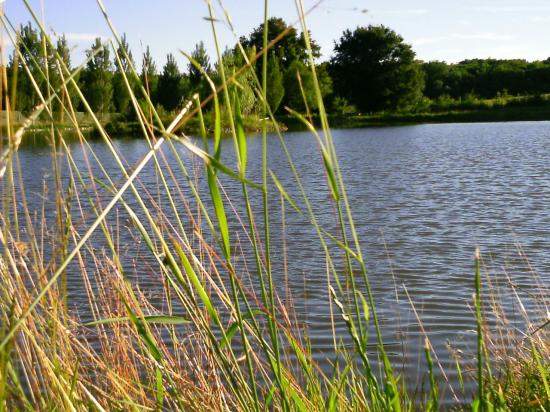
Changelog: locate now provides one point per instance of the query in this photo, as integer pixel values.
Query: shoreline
(289, 123)
(493, 115)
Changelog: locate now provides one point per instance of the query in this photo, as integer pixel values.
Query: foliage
(31, 56)
(197, 82)
(275, 85)
(289, 48)
(372, 71)
(68, 93)
(522, 381)
(206, 328)
(285, 56)
(300, 86)
(169, 91)
(121, 95)
(97, 78)
(486, 78)
(376, 70)
(149, 76)
(341, 107)
(233, 62)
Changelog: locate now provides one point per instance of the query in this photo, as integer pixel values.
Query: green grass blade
(241, 136)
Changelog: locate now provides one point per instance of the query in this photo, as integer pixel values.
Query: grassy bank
(528, 112)
(497, 114)
(117, 125)
(527, 108)
(207, 331)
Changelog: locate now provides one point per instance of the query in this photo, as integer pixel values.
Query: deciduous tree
(376, 70)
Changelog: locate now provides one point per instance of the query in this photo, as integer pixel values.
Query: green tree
(169, 91)
(436, 76)
(30, 48)
(97, 79)
(62, 49)
(57, 74)
(324, 79)
(376, 70)
(300, 84)
(197, 81)
(149, 75)
(121, 93)
(290, 47)
(275, 85)
(233, 61)
(288, 53)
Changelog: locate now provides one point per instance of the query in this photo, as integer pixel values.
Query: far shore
(540, 112)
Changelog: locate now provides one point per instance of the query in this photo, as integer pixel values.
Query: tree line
(371, 70)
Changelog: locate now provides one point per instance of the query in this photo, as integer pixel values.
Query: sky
(446, 30)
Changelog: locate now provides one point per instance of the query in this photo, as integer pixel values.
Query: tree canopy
(149, 76)
(233, 62)
(290, 47)
(486, 78)
(376, 70)
(197, 81)
(98, 77)
(121, 94)
(169, 92)
(372, 69)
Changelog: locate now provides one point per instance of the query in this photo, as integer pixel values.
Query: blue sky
(438, 30)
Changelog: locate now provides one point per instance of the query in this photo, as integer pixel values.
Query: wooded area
(372, 70)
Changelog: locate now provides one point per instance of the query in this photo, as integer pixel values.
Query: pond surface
(423, 197)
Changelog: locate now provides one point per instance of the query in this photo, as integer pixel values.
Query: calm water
(423, 198)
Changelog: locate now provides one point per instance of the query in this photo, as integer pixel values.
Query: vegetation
(199, 336)
(486, 78)
(372, 74)
(375, 70)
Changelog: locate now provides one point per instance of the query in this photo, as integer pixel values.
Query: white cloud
(513, 51)
(463, 36)
(429, 40)
(405, 12)
(482, 36)
(540, 19)
(508, 9)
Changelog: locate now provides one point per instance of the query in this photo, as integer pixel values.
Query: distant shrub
(341, 107)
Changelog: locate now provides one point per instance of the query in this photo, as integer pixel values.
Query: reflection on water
(423, 198)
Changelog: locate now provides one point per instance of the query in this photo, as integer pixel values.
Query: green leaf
(331, 176)
(366, 316)
(306, 366)
(160, 389)
(335, 391)
(234, 327)
(217, 128)
(144, 334)
(241, 136)
(196, 281)
(219, 210)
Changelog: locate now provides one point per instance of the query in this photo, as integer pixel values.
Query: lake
(423, 198)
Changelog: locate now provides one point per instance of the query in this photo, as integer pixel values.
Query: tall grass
(206, 340)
